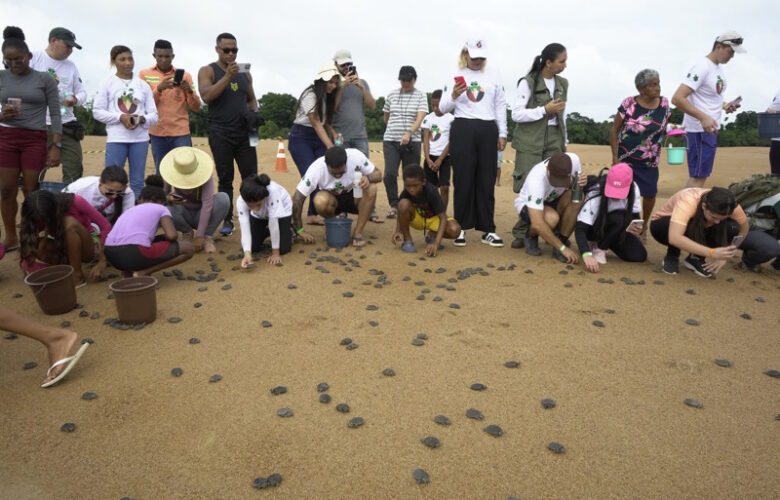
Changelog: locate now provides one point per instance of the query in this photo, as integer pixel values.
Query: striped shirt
(403, 108)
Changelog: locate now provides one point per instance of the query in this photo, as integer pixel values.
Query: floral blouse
(642, 135)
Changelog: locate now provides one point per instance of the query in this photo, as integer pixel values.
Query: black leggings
(626, 246)
(774, 157)
(260, 231)
(757, 248)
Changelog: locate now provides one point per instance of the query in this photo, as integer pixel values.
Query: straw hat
(186, 167)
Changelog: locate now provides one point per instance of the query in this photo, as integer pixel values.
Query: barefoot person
(132, 246)
(264, 209)
(58, 343)
(334, 175)
(422, 207)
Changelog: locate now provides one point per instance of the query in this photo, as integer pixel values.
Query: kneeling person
(422, 207)
(335, 176)
(264, 209)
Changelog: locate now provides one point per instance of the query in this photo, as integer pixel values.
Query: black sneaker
(460, 241)
(696, 265)
(748, 268)
(671, 265)
(492, 239)
(227, 228)
(532, 245)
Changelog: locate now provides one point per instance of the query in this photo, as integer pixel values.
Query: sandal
(392, 213)
(374, 217)
(357, 242)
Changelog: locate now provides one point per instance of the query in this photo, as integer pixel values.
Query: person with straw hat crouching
(197, 208)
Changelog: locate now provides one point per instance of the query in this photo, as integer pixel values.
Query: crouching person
(264, 209)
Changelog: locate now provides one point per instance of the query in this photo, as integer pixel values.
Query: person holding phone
(700, 97)
(174, 93)
(540, 119)
(477, 134)
(609, 219)
(126, 105)
(704, 222)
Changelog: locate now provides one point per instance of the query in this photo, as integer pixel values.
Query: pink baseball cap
(619, 180)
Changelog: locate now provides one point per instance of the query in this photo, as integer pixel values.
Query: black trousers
(260, 231)
(474, 152)
(626, 246)
(774, 157)
(225, 149)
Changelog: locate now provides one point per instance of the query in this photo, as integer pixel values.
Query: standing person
(109, 194)
(232, 111)
(605, 221)
(25, 95)
(54, 60)
(264, 210)
(637, 136)
(774, 149)
(126, 105)
(404, 111)
(700, 97)
(478, 133)
(540, 119)
(172, 98)
(195, 207)
(311, 132)
(436, 148)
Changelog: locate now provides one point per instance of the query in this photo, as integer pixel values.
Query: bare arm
(678, 239)
(298, 200)
(387, 117)
(166, 223)
(319, 129)
(250, 97)
(209, 89)
(680, 99)
(613, 136)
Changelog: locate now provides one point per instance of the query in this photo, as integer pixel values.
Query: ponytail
(549, 53)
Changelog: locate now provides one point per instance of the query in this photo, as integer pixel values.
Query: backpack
(751, 192)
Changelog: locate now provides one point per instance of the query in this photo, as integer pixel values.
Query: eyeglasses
(229, 50)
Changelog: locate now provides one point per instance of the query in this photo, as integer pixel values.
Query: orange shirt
(681, 207)
(171, 103)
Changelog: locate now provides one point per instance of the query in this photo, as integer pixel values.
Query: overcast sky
(286, 42)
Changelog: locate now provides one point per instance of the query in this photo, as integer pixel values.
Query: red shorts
(22, 149)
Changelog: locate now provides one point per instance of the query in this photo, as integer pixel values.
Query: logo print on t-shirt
(126, 103)
(435, 132)
(475, 93)
(234, 86)
(719, 85)
(53, 74)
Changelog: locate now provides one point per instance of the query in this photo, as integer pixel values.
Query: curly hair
(43, 211)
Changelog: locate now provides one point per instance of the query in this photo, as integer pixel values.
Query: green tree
(375, 121)
(278, 108)
(84, 116)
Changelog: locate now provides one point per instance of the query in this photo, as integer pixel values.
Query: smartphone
(244, 67)
(735, 102)
(352, 69)
(459, 80)
(135, 119)
(178, 77)
(637, 222)
(14, 102)
(177, 196)
(737, 241)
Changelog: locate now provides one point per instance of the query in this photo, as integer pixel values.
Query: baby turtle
(29, 365)
(68, 427)
(450, 288)
(11, 336)
(227, 287)
(694, 403)
(421, 297)
(342, 408)
(95, 315)
(89, 396)
(292, 286)
(760, 299)
(422, 336)
(83, 314)
(478, 387)
(723, 363)
(406, 278)
(425, 290)
(420, 476)
(322, 387)
(174, 319)
(437, 299)
(745, 316)
(177, 372)
(431, 442)
(284, 412)
(475, 414)
(194, 340)
(371, 307)
(325, 398)
(348, 294)
(203, 289)
(388, 372)
(512, 364)
(373, 323)
(442, 420)
(567, 285)
(197, 305)
(345, 341)
(599, 324)
(494, 430)
(548, 403)
(215, 378)
(772, 373)
(352, 346)
(418, 342)
(266, 324)
(270, 482)
(609, 311)
(691, 322)
(658, 282)
(279, 389)
(356, 422)
(690, 291)
(556, 448)
(336, 281)
(454, 306)
(419, 283)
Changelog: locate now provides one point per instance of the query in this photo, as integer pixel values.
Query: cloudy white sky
(608, 41)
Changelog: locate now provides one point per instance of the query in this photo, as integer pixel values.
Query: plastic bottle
(339, 140)
(357, 192)
(576, 190)
(63, 108)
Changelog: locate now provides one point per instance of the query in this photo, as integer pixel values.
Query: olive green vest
(529, 137)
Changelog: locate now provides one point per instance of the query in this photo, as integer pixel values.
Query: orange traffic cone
(281, 158)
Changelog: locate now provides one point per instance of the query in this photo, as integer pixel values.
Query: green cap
(65, 35)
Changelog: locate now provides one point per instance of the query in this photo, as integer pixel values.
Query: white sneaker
(600, 255)
(492, 239)
(460, 241)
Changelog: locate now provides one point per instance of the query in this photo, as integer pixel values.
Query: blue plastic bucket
(54, 187)
(675, 155)
(338, 232)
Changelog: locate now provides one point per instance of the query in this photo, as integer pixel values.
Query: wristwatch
(57, 144)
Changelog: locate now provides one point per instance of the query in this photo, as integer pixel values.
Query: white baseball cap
(477, 47)
(343, 56)
(733, 40)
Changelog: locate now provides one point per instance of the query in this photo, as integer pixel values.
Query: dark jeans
(226, 148)
(260, 231)
(305, 147)
(395, 154)
(626, 246)
(162, 145)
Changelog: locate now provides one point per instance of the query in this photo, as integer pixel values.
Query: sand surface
(619, 389)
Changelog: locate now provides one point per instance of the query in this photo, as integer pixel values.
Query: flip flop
(376, 219)
(71, 360)
(391, 214)
(357, 242)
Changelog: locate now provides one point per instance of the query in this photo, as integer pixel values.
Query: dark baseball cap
(65, 35)
(559, 170)
(407, 73)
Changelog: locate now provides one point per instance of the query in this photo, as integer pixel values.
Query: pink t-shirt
(86, 214)
(138, 225)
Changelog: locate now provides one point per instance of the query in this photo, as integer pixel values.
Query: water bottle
(339, 140)
(63, 108)
(357, 192)
(576, 190)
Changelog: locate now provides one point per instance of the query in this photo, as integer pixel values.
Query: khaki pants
(71, 157)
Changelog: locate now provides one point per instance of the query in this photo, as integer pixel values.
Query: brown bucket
(53, 288)
(136, 299)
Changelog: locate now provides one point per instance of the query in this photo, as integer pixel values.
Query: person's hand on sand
(247, 261)
(306, 237)
(198, 243)
(571, 257)
(398, 237)
(274, 258)
(431, 249)
(714, 265)
(208, 245)
(591, 264)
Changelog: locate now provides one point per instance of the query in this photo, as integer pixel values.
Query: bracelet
(247, 253)
(587, 254)
(299, 231)
(563, 247)
(712, 251)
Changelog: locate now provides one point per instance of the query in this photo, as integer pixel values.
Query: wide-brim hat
(328, 71)
(186, 167)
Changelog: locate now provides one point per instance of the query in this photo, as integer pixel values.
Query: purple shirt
(138, 225)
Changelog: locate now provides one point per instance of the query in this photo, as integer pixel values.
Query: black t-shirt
(430, 204)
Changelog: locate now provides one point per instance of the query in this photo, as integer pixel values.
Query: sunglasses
(114, 193)
(478, 59)
(734, 41)
(228, 51)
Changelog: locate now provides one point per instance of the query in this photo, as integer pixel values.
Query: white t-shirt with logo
(775, 106)
(68, 80)
(318, 177)
(537, 190)
(89, 189)
(276, 206)
(439, 131)
(590, 209)
(708, 83)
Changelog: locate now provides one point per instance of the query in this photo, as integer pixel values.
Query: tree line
(278, 110)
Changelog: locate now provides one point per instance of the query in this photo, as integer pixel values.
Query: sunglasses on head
(229, 50)
(734, 41)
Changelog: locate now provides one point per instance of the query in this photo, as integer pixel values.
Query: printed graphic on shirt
(719, 85)
(435, 132)
(54, 75)
(234, 86)
(475, 92)
(126, 102)
(695, 77)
